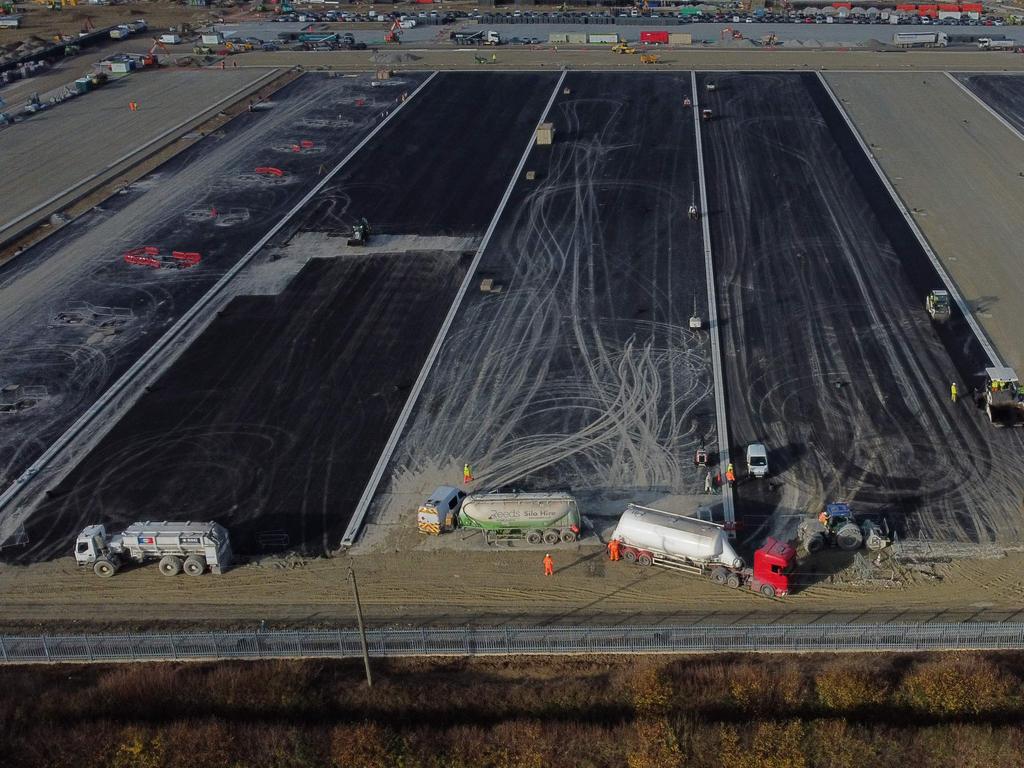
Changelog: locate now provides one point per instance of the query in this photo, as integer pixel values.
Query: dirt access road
(490, 588)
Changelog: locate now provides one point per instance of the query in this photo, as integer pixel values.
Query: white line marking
(985, 106)
(176, 330)
(124, 158)
(728, 505)
(951, 286)
(356, 523)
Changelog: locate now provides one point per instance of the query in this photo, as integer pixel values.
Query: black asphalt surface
(442, 169)
(829, 355)
(1004, 93)
(172, 208)
(272, 421)
(582, 371)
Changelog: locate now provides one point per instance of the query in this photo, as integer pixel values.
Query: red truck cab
(773, 565)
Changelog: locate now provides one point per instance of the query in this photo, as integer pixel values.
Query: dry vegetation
(722, 711)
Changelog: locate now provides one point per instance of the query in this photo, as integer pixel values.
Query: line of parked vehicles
(635, 16)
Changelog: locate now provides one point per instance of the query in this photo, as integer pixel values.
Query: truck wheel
(195, 565)
(629, 556)
(644, 559)
(568, 536)
(719, 575)
(170, 565)
(768, 590)
(815, 543)
(849, 537)
(732, 581)
(534, 537)
(104, 568)
(551, 537)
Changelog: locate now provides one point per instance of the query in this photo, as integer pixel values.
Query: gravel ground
(87, 135)
(958, 170)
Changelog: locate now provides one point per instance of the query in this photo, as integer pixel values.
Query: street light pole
(362, 629)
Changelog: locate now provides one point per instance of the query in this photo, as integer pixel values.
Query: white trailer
(920, 39)
(189, 547)
(988, 44)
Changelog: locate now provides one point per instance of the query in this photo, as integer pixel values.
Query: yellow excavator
(623, 48)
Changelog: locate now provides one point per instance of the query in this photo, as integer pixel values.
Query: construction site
(574, 336)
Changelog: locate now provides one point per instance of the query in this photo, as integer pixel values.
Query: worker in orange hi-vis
(549, 565)
(730, 474)
(467, 474)
(613, 549)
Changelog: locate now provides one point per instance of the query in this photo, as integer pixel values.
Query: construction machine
(1004, 397)
(623, 48)
(394, 34)
(360, 233)
(937, 304)
(648, 58)
(837, 526)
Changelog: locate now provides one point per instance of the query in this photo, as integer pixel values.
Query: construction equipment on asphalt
(688, 544)
(710, 87)
(394, 34)
(18, 397)
(360, 233)
(538, 517)
(837, 526)
(203, 50)
(937, 304)
(648, 58)
(687, 102)
(705, 114)
(1004, 398)
(545, 134)
(624, 48)
(696, 323)
(189, 547)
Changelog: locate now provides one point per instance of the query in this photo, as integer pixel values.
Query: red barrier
(186, 258)
(143, 256)
(267, 170)
(306, 144)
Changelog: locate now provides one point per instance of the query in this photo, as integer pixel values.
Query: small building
(545, 133)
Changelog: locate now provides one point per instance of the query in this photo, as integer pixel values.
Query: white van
(757, 460)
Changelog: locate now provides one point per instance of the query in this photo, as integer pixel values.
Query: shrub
(847, 689)
(656, 745)
(956, 684)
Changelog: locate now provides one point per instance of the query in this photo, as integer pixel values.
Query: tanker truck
(651, 537)
(547, 517)
(189, 547)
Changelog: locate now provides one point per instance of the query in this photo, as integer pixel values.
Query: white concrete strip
(947, 280)
(128, 156)
(985, 106)
(176, 332)
(356, 523)
(728, 503)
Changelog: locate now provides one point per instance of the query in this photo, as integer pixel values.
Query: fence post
(46, 648)
(508, 640)
(259, 648)
(174, 648)
(88, 646)
(423, 641)
(3, 648)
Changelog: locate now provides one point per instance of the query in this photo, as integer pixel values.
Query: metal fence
(474, 641)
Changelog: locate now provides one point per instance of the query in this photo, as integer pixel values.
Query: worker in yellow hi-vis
(467, 474)
(952, 391)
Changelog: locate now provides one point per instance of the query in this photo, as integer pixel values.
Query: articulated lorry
(920, 39)
(545, 517)
(651, 537)
(189, 547)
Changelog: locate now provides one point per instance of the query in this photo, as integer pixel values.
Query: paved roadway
(275, 416)
(830, 357)
(582, 372)
(56, 149)
(171, 208)
(957, 168)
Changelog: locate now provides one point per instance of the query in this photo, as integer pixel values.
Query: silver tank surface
(664, 533)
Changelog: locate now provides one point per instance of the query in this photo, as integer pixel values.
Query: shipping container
(603, 39)
(680, 38)
(652, 37)
(576, 38)
(558, 37)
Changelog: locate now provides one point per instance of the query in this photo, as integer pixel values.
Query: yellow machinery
(648, 58)
(623, 48)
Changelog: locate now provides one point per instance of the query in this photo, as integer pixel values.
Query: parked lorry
(837, 526)
(652, 37)
(651, 537)
(547, 517)
(189, 547)
(1004, 398)
(920, 39)
(988, 44)
(490, 37)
